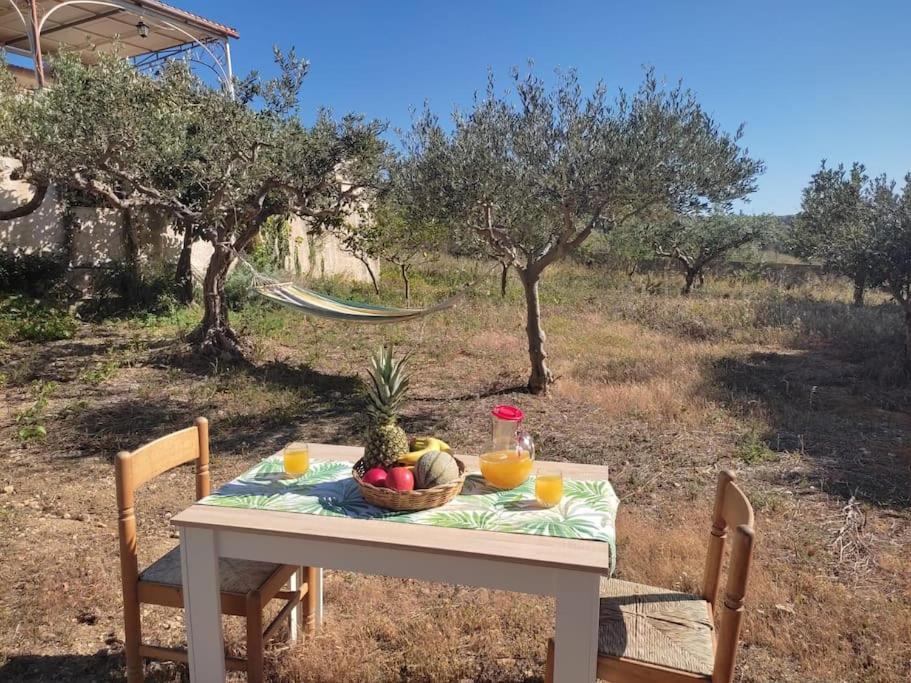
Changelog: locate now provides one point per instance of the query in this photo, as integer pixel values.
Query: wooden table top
(546, 551)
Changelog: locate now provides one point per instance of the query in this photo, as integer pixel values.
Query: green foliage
(861, 227)
(548, 166)
(891, 261)
(34, 275)
(402, 240)
(753, 450)
(272, 249)
(29, 419)
(102, 371)
(26, 319)
(620, 249)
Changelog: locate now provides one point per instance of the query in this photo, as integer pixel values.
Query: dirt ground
(796, 391)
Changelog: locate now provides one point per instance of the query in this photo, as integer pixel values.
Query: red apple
(375, 476)
(400, 479)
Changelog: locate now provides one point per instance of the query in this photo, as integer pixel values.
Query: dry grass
(790, 386)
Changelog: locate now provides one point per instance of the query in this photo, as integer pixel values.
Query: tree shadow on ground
(490, 392)
(62, 361)
(852, 430)
(102, 666)
(287, 402)
(70, 668)
(124, 423)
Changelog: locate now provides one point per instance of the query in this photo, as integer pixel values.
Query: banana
(421, 445)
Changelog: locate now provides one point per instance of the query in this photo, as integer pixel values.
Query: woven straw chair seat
(655, 626)
(236, 576)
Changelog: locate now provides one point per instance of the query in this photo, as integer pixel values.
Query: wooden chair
(662, 636)
(246, 587)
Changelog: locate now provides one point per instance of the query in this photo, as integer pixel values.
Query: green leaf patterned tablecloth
(588, 509)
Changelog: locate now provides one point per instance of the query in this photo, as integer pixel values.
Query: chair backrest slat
(737, 509)
(732, 605)
(163, 454)
(732, 509)
(715, 554)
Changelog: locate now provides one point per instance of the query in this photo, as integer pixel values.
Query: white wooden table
(567, 569)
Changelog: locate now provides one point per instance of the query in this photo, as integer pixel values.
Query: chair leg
(134, 659)
(314, 588)
(132, 639)
(549, 663)
(254, 637)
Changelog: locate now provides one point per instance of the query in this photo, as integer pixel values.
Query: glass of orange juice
(549, 487)
(297, 459)
(507, 468)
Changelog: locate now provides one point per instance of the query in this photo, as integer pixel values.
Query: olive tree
(834, 224)
(249, 163)
(104, 130)
(885, 221)
(533, 171)
(890, 265)
(215, 164)
(364, 242)
(405, 240)
(696, 241)
(8, 122)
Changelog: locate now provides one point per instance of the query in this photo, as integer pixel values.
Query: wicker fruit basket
(408, 501)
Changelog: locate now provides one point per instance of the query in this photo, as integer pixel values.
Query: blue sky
(809, 79)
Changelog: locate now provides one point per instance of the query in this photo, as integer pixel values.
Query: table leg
(202, 605)
(318, 591)
(294, 584)
(576, 641)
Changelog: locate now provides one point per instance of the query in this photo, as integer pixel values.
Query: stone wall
(96, 236)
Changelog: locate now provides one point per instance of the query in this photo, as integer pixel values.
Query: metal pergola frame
(210, 38)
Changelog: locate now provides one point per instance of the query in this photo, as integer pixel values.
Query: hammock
(309, 302)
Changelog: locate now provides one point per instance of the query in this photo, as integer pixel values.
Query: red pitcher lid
(508, 413)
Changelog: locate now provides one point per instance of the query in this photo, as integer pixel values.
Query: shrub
(239, 288)
(34, 275)
(32, 320)
(123, 290)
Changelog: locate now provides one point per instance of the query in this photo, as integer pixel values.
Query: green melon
(435, 469)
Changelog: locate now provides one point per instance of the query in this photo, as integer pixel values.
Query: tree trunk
(540, 374)
(504, 278)
(184, 274)
(691, 276)
(214, 335)
(133, 293)
(366, 262)
(404, 269)
(907, 362)
(860, 285)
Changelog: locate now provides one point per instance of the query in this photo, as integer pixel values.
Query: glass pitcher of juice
(505, 423)
(508, 462)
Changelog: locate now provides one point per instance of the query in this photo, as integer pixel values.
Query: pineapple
(386, 441)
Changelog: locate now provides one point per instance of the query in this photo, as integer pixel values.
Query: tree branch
(149, 196)
(30, 206)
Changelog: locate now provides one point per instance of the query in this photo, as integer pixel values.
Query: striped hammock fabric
(309, 302)
(313, 303)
